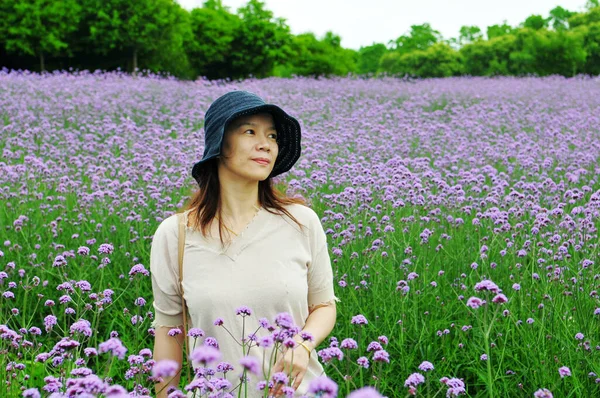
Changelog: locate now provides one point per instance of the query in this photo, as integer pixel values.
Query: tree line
(215, 43)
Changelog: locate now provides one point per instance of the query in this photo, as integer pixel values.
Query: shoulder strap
(180, 249)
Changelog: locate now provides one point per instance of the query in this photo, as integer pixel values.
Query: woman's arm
(168, 347)
(320, 323)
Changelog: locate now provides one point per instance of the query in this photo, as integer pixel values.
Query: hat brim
(288, 133)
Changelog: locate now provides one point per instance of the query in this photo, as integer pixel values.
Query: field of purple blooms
(461, 215)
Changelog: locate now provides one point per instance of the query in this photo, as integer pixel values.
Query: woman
(245, 245)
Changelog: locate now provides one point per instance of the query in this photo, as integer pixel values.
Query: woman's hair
(206, 200)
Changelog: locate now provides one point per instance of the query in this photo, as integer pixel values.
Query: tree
(469, 34)
(592, 4)
(585, 18)
(591, 45)
(214, 30)
(133, 26)
(559, 18)
(438, 60)
(535, 22)
(369, 57)
(488, 57)
(39, 27)
(499, 30)
(420, 37)
(314, 57)
(260, 42)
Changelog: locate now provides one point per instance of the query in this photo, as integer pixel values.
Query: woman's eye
(274, 135)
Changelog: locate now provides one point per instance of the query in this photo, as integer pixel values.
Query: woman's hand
(298, 367)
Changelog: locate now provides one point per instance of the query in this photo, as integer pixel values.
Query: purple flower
(381, 356)
(323, 386)
(251, 364)
(499, 299)
(543, 393)
(564, 371)
(174, 332)
(105, 248)
(140, 301)
(114, 346)
(487, 285)
(359, 320)
(363, 361)
(374, 346)
(474, 302)
(349, 344)
(243, 311)
(196, 332)
(31, 393)
(328, 354)
(205, 354)
(82, 326)
(49, 322)
(414, 380)
(365, 392)
(138, 269)
(455, 386)
(579, 336)
(59, 261)
(218, 322)
(165, 368)
(426, 366)
(279, 377)
(284, 320)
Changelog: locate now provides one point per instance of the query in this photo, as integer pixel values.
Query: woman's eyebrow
(253, 125)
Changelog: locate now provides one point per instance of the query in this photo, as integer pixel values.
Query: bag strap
(180, 249)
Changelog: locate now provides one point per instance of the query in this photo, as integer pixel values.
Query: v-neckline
(234, 248)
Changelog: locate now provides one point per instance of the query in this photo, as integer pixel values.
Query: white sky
(362, 23)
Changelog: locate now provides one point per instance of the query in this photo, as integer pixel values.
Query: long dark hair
(205, 202)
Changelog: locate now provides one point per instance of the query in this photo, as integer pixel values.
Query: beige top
(270, 267)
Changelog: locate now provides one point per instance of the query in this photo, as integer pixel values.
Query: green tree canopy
(420, 37)
(469, 34)
(369, 57)
(499, 30)
(214, 30)
(535, 22)
(559, 18)
(39, 27)
(133, 26)
(261, 41)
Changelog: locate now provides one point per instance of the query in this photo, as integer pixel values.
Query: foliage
(214, 31)
(439, 60)
(38, 27)
(314, 57)
(260, 42)
(369, 57)
(214, 42)
(420, 37)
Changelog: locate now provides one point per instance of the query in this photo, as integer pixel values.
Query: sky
(362, 23)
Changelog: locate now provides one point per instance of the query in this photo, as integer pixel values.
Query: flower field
(461, 217)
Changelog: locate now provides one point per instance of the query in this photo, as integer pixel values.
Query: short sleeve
(164, 274)
(320, 273)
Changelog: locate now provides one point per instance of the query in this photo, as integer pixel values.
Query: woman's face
(248, 138)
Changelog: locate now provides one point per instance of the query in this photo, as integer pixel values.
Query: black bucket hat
(241, 103)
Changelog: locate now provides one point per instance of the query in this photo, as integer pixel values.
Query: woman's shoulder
(168, 225)
(303, 213)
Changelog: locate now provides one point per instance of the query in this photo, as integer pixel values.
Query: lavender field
(461, 217)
